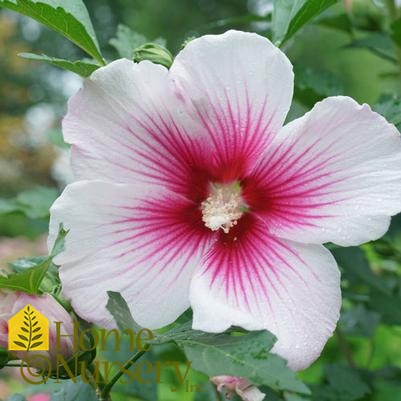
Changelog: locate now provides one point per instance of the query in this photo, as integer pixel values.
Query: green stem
(105, 393)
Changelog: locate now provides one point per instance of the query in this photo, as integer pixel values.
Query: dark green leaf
(341, 22)
(119, 309)
(209, 394)
(70, 18)
(133, 388)
(246, 355)
(344, 384)
(357, 268)
(396, 31)
(312, 85)
(83, 68)
(291, 15)
(36, 344)
(4, 358)
(382, 298)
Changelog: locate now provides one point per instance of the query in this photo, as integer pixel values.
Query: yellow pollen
(223, 207)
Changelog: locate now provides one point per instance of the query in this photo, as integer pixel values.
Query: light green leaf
(28, 280)
(68, 17)
(70, 391)
(81, 67)
(245, 355)
(20, 265)
(126, 41)
(291, 15)
(35, 203)
(379, 44)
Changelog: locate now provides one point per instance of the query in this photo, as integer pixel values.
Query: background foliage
(351, 47)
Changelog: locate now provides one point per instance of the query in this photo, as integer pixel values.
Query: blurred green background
(346, 50)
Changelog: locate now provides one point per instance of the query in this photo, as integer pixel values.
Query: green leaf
(83, 68)
(59, 244)
(291, 15)
(34, 203)
(27, 281)
(70, 391)
(16, 397)
(119, 309)
(357, 268)
(359, 321)
(246, 355)
(143, 391)
(344, 384)
(379, 44)
(382, 298)
(7, 206)
(396, 31)
(126, 41)
(4, 357)
(341, 22)
(312, 85)
(20, 265)
(389, 106)
(70, 18)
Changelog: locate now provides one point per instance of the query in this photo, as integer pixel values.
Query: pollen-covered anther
(223, 207)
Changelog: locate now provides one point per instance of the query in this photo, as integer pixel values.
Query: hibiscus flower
(191, 193)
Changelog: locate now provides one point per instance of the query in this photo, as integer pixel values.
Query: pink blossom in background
(190, 192)
(12, 302)
(39, 397)
(232, 385)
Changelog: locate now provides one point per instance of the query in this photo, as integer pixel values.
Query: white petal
(260, 282)
(123, 239)
(240, 87)
(333, 175)
(251, 393)
(125, 126)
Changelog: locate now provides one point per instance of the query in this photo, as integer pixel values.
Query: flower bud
(153, 52)
(233, 385)
(12, 302)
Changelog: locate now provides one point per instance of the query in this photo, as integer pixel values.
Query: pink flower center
(223, 207)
